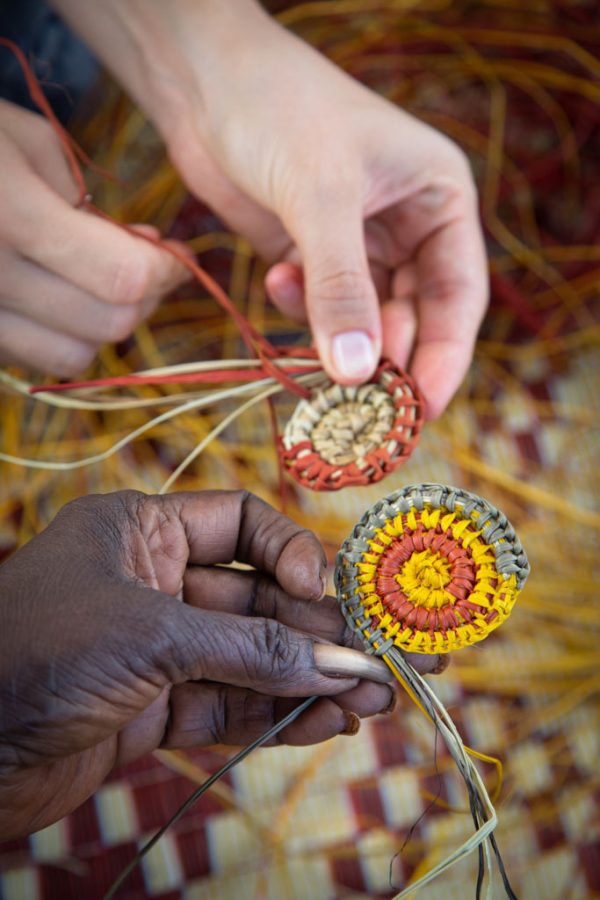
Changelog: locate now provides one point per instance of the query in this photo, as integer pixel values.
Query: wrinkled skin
(102, 662)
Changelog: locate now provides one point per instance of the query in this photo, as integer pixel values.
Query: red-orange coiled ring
(429, 569)
(346, 436)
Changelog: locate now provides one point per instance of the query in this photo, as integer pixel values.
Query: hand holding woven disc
(124, 630)
(429, 569)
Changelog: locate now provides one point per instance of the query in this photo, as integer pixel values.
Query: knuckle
(332, 190)
(96, 510)
(443, 289)
(277, 656)
(163, 535)
(80, 517)
(173, 650)
(458, 166)
(121, 322)
(130, 280)
(262, 598)
(74, 359)
(74, 508)
(82, 514)
(44, 130)
(336, 285)
(219, 715)
(142, 514)
(271, 537)
(328, 189)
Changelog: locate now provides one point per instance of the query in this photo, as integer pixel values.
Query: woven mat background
(353, 817)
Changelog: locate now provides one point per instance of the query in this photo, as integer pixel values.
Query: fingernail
(389, 709)
(353, 354)
(442, 664)
(341, 662)
(352, 723)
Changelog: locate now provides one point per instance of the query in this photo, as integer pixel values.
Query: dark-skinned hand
(122, 632)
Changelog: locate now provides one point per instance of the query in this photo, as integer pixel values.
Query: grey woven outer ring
(510, 555)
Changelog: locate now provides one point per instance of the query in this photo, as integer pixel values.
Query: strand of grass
(230, 764)
(193, 405)
(74, 401)
(170, 374)
(427, 701)
(195, 453)
(177, 761)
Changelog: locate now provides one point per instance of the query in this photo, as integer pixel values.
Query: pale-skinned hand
(69, 281)
(368, 216)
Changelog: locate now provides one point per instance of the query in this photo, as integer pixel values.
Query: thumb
(261, 654)
(341, 300)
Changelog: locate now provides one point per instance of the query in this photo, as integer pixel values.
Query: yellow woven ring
(430, 569)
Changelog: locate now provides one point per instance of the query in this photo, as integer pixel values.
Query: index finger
(252, 595)
(96, 255)
(223, 526)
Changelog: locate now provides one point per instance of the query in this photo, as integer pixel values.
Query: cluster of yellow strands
(530, 694)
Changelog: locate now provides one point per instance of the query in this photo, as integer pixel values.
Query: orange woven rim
(306, 463)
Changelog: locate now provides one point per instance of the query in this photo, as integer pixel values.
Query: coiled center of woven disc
(349, 435)
(429, 569)
(423, 579)
(352, 429)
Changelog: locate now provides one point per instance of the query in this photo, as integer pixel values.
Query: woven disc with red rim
(354, 435)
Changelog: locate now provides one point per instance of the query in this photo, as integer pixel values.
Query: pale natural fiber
(348, 435)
